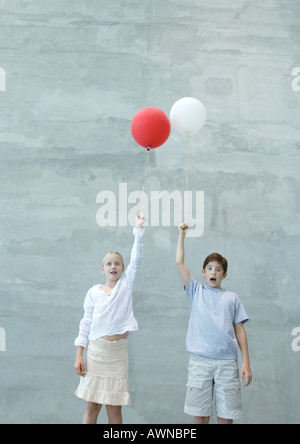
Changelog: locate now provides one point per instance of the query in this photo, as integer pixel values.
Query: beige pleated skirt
(106, 379)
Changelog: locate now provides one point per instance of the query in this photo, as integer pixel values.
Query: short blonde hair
(113, 252)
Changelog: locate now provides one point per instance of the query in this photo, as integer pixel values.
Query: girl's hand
(140, 220)
(183, 229)
(79, 366)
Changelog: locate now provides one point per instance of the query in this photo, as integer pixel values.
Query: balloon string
(187, 177)
(145, 176)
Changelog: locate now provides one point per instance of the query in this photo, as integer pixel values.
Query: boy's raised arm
(182, 268)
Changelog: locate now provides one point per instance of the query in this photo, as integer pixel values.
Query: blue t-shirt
(214, 314)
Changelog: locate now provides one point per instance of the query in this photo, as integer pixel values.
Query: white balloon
(188, 116)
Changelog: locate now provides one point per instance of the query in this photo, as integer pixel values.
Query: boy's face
(112, 267)
(214, 274)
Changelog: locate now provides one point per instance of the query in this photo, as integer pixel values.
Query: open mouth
(213, 280)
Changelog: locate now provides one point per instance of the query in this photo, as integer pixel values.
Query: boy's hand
(183, 229)
(140, 220)
(246, 375)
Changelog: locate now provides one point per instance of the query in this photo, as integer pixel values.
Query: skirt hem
(104, 398)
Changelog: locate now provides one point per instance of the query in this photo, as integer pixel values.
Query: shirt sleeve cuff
(80, 343)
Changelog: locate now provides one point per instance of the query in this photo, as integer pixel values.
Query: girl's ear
(102, 269)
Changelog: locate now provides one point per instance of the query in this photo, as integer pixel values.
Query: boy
(216, 326)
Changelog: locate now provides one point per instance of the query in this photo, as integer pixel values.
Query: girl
(108, 319)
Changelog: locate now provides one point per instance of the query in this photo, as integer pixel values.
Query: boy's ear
(203, 272)
(225, 275)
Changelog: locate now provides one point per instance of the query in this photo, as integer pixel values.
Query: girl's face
(112, 267)
(214, 274)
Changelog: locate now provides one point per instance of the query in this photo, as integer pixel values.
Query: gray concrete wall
(73, 75)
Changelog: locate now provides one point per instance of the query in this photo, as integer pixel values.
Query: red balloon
(150, 128)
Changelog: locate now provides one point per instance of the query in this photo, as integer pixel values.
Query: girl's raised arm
(137, 252)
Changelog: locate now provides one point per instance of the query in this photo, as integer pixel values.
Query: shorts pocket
(233, 397)
(195, 384)
(199, 400)
(194, 394)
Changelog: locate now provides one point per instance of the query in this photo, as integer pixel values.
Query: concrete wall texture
(73, 74)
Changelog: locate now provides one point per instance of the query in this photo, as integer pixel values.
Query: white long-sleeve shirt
(111, 314)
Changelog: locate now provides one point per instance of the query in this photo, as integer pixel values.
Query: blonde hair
(113, 252)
